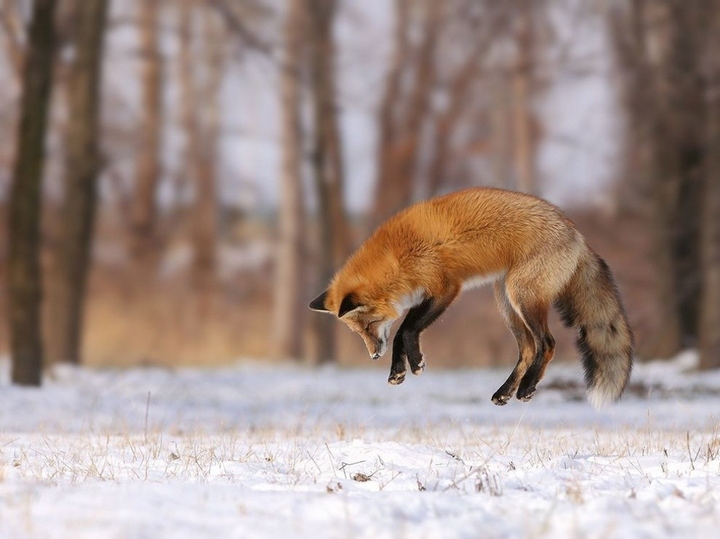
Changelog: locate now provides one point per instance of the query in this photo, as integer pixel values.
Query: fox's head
(370, 319)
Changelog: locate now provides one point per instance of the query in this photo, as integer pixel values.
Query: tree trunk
(333, 141)
(710, 309)
(523, 136)
(630, 47)
(389, 120)
(289, 274)
(664, 94)
(24, 282)
(148, 166)
(206, 207)
(326, 161)
(679, 158)
(395, 188)
(458, 93)
(201, 141)
(12, 27)
(188, 93)
(501, 132)
(70, 271)
(324, 15)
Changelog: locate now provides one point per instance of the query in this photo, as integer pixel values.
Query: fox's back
(484, 213)
(471, 234)
(486, 225)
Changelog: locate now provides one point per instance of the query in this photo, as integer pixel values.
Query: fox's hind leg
(525, 341)
(544, 353)
(531, 289)
(530, 296)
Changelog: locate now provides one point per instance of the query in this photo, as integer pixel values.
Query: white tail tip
(600, 397)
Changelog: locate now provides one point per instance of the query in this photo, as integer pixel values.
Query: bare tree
(401, 130)
(460, 86)
(200, 117)
(709, 343)
(24, 280)
(205, 215)
(289, 274)
(680, 179)
(433, 101)
(710, 239)
(12, 32)
(659, 46)
(522, 89)
(148, 166)
(389, 105)
(188, 91)
(327, 159)
(68, 281)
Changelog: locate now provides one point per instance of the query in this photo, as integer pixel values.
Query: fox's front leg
(406, 345)
(398, 367)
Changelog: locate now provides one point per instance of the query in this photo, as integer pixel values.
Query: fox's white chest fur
(410, 300)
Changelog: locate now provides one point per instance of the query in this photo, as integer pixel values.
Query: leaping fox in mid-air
(422, 258)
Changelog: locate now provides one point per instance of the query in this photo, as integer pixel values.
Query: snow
(261, 451)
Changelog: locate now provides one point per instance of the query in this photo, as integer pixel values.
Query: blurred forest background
(178, 178)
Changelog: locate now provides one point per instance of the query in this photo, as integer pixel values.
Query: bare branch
(238, 27)
(13, 30)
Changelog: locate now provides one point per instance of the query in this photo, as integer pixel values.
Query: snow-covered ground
(257, 451)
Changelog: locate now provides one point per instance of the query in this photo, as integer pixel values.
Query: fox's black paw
(525, 394)
(418, 367)
(396, 378)
(500, 399)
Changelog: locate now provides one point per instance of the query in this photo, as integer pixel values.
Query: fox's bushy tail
(591, 304)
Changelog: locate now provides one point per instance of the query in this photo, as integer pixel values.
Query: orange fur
(430, 251)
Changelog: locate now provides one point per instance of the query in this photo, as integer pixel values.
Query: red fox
(422, 258)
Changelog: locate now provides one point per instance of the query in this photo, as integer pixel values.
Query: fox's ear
(349, 303)
(318, 304)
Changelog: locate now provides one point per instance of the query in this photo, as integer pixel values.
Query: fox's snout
(377, 350)
(377, 345)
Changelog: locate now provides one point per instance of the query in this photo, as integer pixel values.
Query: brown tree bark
(524, 144)
(206, 204)
(632, 39)
(709, 347)
(143, 234)
(68, 281)
(188, 92)
(289, 269)
(709, 342)
(688, 102)
(660, 45)
(501, 133)
(12, 32)
(395, 185)
(200, 92)
(459, 89)
(326, 161)
(679, 154)
(24, 281)
(389, 117)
